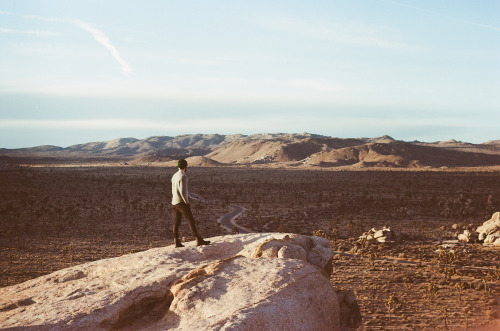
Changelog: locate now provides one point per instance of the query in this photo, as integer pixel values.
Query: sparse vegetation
(460, 286)
(431, 291)
(319, 233)
(372, 257)
(444, 316)
(52, 218)
(446, 260)
(392, 304)
(374, 288)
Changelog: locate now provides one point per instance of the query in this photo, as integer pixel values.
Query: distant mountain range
(280, 149)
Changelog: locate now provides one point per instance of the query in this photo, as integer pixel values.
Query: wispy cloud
(399, 4)
(345, 125)
(353, 34)
(105, 123)
(40, 33)
(186, 125)
(317, 85)
(46, 19)
(489, 27)
(5, 13)
(98, 35)
(425, 10)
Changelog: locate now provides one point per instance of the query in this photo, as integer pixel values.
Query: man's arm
(183, 189)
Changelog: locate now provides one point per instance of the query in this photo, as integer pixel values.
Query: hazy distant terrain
(281, 149)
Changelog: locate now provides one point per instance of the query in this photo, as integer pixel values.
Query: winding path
(227, 220)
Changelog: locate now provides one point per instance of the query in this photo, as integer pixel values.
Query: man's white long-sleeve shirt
(180, 188)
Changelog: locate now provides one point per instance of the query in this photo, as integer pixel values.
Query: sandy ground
(55, 217)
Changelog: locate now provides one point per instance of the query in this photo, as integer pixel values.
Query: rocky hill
(281, 149)
(401, 154)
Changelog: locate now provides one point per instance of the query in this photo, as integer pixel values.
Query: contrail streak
(103, 40)
(98, 35)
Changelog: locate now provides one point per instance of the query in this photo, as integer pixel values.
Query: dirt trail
(227, 220)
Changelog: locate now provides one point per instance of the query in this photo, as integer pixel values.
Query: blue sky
(80, 71)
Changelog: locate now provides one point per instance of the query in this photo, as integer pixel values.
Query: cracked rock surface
(268, 281)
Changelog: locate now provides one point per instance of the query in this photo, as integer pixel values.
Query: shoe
(178, 243)
(201, 242)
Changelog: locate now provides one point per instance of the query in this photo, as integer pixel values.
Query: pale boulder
(489, 232)
(378, 234)
(292, 252)
(492, 237)
(234, 294)
(226, 285)
(386, 234)
(317, 249)
(497, 242)
(464, 237)
(491, 225)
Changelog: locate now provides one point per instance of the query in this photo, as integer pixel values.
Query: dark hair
(182, 164)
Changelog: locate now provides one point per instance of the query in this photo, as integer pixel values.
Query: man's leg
(177, 223)
(186, 211)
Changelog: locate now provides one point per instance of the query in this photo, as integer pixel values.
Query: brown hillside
(277, 149)
(401, 154)
(492, 147)
(300, 150)
(201, 161)
(248, 151)
(269, 150)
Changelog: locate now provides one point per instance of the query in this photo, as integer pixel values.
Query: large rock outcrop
(240, 282)
(489, 232)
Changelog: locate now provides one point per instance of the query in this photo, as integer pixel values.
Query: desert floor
(55, 217)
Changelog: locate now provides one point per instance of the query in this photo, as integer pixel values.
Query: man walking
(180, 204)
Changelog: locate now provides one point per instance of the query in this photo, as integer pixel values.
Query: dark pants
(183, 209)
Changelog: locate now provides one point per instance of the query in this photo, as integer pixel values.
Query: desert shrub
(446, 260)
(392, 304)
(320, 233)
(486, 285)
(444, 317)
(493, 274)
(374, 288)
(460, 286)
(431, 291)
(372, 257)
(467, 312)
(334, 233)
